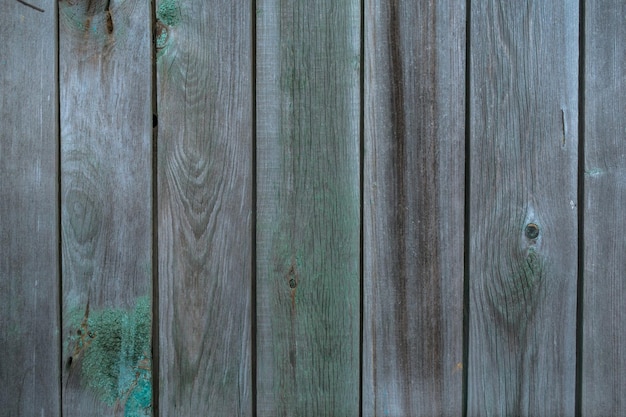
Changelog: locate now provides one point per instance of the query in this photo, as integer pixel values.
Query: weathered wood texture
(604, 304)
(29, 269)
(308, 280)
(413, 208)
(205, 207)
(106, 179)
(523, 89)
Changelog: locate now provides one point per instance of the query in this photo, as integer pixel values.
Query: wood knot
(292, 277)
(532, 231)
(161, 35)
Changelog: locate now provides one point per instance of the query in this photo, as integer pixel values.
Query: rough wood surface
(29, 269)
(308, 208)
(205, 207)
(106, 161)
(523, 214)
(414, 208)
(604, 304)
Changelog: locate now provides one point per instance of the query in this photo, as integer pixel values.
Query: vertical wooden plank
(29, 265)
(205, 204)
(106, 163)
(523, 216)
(604, 305)
(308, 207)
(414, 208)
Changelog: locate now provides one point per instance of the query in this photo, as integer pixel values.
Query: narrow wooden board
(308, 215)
(106, 164)
(29, 232)
(604, 304)
(205, 149)
(414, 208)
(523, 214)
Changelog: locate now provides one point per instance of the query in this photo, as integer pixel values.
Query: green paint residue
(169, 12)
(593, 172)
(161, 38)
(114, 348)
(168, 15)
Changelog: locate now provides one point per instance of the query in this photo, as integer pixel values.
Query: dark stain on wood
(109, 21)
(399, 196)
(415, 166)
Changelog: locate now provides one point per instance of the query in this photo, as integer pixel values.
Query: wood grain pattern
(106, 160)
(524, 86)
(604, 305)
(414, 208)
(205, 207)
(308, 208)
(29, 269)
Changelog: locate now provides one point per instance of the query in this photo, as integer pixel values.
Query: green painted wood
(413, 208)
(106, 180)
(205, 149)
(308, 218)
(523, 214)
(29, 232)
(604, 306)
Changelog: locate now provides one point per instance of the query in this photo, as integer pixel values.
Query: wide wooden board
(413, 208)
(205, 206)
(523, 208)
(308, 214)
(604, 305)
(106, 206)
(29, 231)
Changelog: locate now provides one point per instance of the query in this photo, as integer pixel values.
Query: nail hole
(532, 231)
(293, 283)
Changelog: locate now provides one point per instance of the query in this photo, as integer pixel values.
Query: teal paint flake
(594, 172)
(114, 347)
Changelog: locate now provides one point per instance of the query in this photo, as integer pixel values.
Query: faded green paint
(113, 347)
(309, 218)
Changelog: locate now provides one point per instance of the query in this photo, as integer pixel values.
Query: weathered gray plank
(523, 216)
(604, 304)
(29, 269)
(308, 208)
(106, 163)
(205, 206)
(414, 208)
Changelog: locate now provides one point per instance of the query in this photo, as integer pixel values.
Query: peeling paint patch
(168, 12)
(113, 347)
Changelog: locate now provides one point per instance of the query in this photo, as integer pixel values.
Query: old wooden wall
(330, 208)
